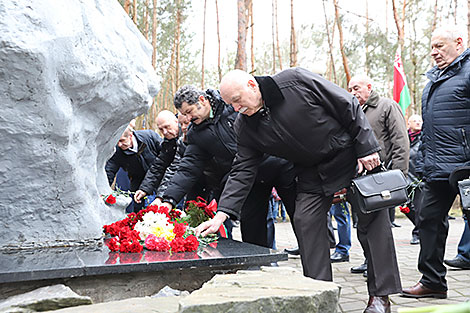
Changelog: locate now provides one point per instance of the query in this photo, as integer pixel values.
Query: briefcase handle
(377, 169)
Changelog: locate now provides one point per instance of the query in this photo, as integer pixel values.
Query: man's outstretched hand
(368, 162)
(211, 226)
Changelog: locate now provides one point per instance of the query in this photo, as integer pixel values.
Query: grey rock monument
(72, 75)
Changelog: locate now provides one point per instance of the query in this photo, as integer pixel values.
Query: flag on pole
(401, 93)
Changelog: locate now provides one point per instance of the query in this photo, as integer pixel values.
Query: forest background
(197, 41)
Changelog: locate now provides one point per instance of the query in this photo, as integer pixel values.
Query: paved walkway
(354, 290)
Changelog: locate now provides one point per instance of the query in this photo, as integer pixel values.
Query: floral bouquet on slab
(118, 198)
(156, 229)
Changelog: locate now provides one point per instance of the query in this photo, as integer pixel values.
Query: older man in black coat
(212, 141)
(299, 116)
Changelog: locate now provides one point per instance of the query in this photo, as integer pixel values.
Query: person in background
(389, 126)
(445, 146)
(340, 211)
(134, 153)
(415, 123)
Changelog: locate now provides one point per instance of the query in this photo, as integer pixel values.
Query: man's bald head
(360, 86)
(167, 124)
(241, 90)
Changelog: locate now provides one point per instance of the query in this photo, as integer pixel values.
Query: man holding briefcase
(317, 125)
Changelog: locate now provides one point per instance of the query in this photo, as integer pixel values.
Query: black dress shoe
(414, 240)
(458, 263)
(339, 257)
(365, 274)
(378, 305)
(359, 269)
(293, 251)
(395, 224)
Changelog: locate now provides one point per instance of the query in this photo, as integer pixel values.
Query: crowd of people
(299, 138)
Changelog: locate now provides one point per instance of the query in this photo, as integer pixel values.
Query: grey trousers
(310, 219)
(375, 235)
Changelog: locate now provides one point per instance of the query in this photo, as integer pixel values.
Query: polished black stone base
(23, 270)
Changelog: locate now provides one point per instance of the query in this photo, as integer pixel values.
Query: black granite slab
(55, 263)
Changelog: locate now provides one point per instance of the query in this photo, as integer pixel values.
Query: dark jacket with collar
(389, 126)
(164, 167)
(308, 120)
(137, 163)
(446, 120)
(212, 141)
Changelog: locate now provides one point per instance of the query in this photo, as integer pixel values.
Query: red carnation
(191, 243)
(113, 244)
(177, 245)
(110, 199)
(404, 209)
(179, 229)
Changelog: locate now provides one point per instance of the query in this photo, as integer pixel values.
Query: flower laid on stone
(199, 211)
(112, 198)
(155, 228)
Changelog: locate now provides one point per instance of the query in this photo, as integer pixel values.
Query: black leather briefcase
(464, 189)
(374, 192)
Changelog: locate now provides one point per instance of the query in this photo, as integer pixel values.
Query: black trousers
(433, 230)
(253, 217)
(375, 235)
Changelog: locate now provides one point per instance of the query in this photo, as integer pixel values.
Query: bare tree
(366, 38)
(330, 44)
(177, 45)
(468, 23)
(455, 12)
(127, 4)
(279, 56)
(273, 22)
(134, 13)
(250, 15)
(400, 23)
(240, 59)
(146, 19)
(203, 43)
(341, 43)
(219, 69)
(293, 40)
(154, 34)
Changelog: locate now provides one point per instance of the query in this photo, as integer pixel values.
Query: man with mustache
(211, 139)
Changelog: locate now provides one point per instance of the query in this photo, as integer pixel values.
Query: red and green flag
(401, 93)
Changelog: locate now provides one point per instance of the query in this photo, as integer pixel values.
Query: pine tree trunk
(146, 19)
(154, 34)
(134, 13)
(279, 56)
(468, 23)
(127, 4)
(240, 59)
(250, 10)
(330, 45)
(293, 40)
(178, 37)
(366, 38)
(400, 23)
(203, 44)
(273, 24)
(341, 44)
(219, 69)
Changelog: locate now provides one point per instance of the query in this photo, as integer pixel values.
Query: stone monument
(72, 75)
